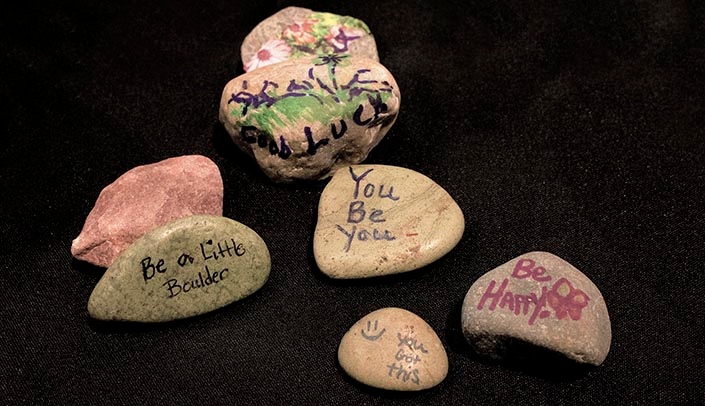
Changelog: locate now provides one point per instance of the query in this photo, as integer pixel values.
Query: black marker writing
(148, 269)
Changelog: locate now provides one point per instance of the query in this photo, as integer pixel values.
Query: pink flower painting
(271, 52)
(301, 32)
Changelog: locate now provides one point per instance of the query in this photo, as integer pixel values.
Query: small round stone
(188, 267)
(393, 349)
(537, 298)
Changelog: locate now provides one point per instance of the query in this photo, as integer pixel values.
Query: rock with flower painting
(306, 117)
(539, 299)
(295, 32)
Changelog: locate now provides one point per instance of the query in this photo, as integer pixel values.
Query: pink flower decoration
(301, 32)
(571, 304)
(271, 52)
(340, 36)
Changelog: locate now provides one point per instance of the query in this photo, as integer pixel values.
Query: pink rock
(144, 198)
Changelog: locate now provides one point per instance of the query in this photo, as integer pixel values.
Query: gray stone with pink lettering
(539, 299)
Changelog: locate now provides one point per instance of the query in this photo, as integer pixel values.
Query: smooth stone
(377, 220)
(294, 32)
(393, 349)
(144, 198)
(537, 298)
(304, 118)
(188, 267)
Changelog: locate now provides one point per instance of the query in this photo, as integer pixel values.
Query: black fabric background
(565, 126)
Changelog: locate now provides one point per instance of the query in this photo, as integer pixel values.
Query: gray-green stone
(188, 267)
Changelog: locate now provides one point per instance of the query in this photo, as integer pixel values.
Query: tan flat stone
(377, 220)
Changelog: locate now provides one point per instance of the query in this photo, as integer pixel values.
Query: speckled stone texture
(144, 198)
(188, 267)
(378, 220)
(537, 298)
(393, 349)
(303, 119)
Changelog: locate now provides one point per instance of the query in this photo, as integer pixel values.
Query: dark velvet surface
(563, 126)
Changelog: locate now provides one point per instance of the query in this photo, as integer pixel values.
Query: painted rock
(537, 298)
(377, 220)
(304, 118)
(393, 349)
(144, 198)
(190, 266)
(295, 32)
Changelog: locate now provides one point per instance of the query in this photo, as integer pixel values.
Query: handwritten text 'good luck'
(210, 252)
(358, 212)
